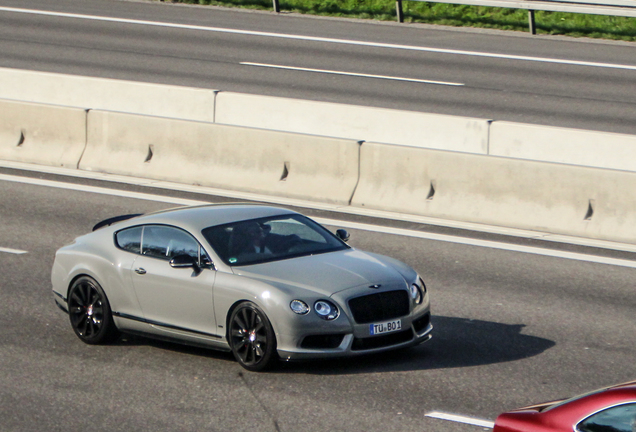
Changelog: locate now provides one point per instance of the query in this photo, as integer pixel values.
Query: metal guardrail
(626, 8)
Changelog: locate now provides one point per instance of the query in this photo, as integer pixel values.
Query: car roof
(197, 218)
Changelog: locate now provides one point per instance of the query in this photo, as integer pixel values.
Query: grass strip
(553, 23)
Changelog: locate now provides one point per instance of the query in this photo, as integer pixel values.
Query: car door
(174, 299)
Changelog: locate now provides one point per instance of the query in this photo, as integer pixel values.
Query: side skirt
(169, 333)
(218, 346)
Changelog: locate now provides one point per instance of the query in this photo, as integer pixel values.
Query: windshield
(270, 239)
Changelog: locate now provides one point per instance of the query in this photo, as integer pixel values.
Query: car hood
(326, 273)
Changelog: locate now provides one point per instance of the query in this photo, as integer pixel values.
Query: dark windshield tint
(270, 239)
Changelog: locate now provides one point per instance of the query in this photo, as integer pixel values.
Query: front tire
(252, 338)
(89, 312)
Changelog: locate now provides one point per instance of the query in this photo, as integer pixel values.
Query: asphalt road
(510, 329)
(505, 75)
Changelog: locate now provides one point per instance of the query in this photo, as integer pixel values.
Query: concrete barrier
(42, 134)
(555, 180)
(561, 145)
(108, 94)
(546, 197)
(241, 159)
(354, 122)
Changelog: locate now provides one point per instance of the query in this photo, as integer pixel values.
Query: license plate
(385, 327)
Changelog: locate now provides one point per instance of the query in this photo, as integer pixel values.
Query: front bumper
(60, 301)
(355, 343)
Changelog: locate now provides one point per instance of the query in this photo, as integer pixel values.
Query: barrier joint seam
(86, 111)
(216, 94)
(490, 122)
(355, 187)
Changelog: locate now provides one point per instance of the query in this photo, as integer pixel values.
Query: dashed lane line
(344, 224)
(12, 251)
(353, 74)
(321, 39)
(461, 419)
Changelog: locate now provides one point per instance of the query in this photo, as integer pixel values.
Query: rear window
(129, 239)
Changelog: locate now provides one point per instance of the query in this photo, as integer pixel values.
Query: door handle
(140, 271)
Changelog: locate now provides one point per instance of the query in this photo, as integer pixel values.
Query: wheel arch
(75, 278)
(95, 312)
(231, 309)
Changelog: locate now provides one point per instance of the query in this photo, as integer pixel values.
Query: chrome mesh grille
(379, 306)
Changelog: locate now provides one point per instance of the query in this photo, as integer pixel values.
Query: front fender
(274, 299)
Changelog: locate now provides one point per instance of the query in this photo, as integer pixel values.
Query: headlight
(299, 307)
(416, 294)
(326, 310)
(423, 286)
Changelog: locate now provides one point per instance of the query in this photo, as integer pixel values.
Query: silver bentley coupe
(262, 282)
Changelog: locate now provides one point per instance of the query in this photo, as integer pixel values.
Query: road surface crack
(271, 416)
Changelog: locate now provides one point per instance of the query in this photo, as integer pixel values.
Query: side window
(129, 239)
(166, 242)
(621, 418)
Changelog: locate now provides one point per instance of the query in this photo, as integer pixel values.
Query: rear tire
(252, 338)
(89, 312)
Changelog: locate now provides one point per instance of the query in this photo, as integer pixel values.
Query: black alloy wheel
(90, 312)
(252, 338)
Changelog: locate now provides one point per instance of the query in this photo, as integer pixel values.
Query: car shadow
(456, 342)
(167, 345)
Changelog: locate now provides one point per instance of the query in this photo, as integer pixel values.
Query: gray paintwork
(157, 307)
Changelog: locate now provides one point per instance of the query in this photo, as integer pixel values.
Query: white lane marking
(321, 39)
(12, 251)
(482, 243)
(351, 74)
(461, 419)
(98, 190)
(338, 208)
(344, 224)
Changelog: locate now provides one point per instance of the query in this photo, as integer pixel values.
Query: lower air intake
(360, 344)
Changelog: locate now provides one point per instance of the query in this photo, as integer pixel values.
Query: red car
(611, 409)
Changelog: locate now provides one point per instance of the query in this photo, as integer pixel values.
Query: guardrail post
(276, 6)
(398, 10)
(531, 25)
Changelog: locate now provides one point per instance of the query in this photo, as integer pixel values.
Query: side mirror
(184, 261)
(342, 235)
